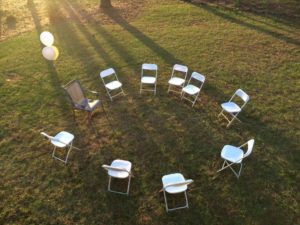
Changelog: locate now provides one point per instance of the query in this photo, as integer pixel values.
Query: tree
(105, 4)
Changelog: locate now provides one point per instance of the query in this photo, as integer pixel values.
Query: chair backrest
(107, 72)
(243, 95)
(76, 93)
(107, 167)
(180, 68)
(198, 76)
(47, 135)
(186, 182)
(250, 144)
(147, 66)
(150, 67)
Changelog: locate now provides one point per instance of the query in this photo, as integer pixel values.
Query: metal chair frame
(85, 107)
(107, 73)
(109, 179)
(227, 164)
(245, 98)
(176, 184)
(196, 76)
(70, 145)
(181, 69)
(148, 67)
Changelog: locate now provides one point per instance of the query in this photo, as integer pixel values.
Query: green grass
(160, 134)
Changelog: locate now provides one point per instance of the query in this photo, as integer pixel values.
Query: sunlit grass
(160, 134)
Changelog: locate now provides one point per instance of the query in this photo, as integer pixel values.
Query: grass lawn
(159, 135)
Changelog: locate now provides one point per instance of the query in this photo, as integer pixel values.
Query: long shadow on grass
(68, 33)
(145, 146)
(265, 132)
(215, 93)
(51, 68)
(131, 119)
(74, 9)
(232, 19)
(268, 132)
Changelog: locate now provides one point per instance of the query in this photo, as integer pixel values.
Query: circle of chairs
(121, 169)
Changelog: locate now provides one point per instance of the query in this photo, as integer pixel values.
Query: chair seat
(118, 163)
(173, 179)
(113, 85)
(176, 81)
(93, 104)
(191, 89)
(232, 154)
(148, 80)
(231, 107)
(62, 139)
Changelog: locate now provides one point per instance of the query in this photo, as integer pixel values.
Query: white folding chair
(113, 84)
(232, 108)
(191, 89)
(119, 169)
(148, 79)
(178, 77)
(61, 140)
(234, 155)
(173, 184)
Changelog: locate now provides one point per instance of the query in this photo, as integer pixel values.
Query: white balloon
(50, 53)
(47, 38)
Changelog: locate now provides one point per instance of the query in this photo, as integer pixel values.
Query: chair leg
(194, 102)
(220, 113)
(53, 153)
(123, 91)
(71, 145)
(141, 86)
(230, 122)
(109, 95)
(166, 202)
(223, 166)
(118, 192)
(128, 185)
(186, 199)
(109, 181)
(229, 165)
(239, 173)
(169, 88)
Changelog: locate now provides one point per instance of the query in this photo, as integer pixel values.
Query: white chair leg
(123, 91)
(68, 152)
(239, 173)
(194, 102)
(223, 166)
(220, 113)
(128, 185)
(229, 165)
(109, 95)
(166, 202)
(231, 121)
(109, 181)
(186, 199)
(169, 88)
(53, 153)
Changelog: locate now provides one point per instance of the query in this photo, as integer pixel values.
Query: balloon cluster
(49, 52)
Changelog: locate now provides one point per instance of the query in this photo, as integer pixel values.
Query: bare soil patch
(16, 16)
